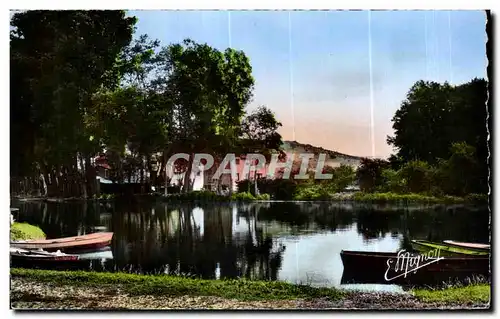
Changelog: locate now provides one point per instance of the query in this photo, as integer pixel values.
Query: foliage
(210, 90)
(259, 133)
(263, 197)
(416, 177)
(133, 101)
(343, 176)
(393, 197)
(59, 59)
(312, 191)
(25, 231)
(476, 198)
(369, 173)
(434, 117)
(243, 196)
(392, 182)
(105, 196)
(459, 174)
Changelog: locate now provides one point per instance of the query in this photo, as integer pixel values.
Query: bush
(392, 182)
(369, 173)
(343, 176)
(312, 192)
(263, 197)
(243, 196)
(479, 198)
(25, 231)
(416, 176)
(460, 174)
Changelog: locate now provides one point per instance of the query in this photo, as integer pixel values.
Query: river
(297, 242)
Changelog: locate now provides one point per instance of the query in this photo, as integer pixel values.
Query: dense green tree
(343, 176)
(416, 176)
(458, 175)
(259, 133)
(59, 59)
(421, 125)
(210, 90)
(435, 116)
(369, 173)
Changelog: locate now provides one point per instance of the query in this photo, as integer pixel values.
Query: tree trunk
(164, 162)
(166, 180)
(90, 176)
(255, 183)
(43, 184)
(142, 174)
(83, 184)
(186, 185)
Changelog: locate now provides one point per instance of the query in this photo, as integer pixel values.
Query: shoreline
(352, 198)
(63, 290)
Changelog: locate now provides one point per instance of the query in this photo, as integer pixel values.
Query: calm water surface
(294, 242)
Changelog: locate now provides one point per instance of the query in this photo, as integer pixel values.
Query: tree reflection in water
(239, 240)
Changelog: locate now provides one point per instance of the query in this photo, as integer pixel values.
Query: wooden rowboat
(470, 246)
(404, 267)
(424, 246)
(66, 239)
(85, 242)
(18, 255)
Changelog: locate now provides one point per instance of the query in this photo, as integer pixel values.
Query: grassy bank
(31, 289)
(479, 293)
(179, 286)
(418, 198)
(25, 231)
(205, 196)
(315, 195)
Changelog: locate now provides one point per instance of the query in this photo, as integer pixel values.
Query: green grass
(416, 198)
(311, 192)
(474, 293)
(207, 196)
(177, 286)
(318, 192)
(25, 231)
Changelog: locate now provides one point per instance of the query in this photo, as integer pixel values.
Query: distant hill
(297, 147)
(333, 158)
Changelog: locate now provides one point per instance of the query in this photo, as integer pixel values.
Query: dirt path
(31, 295)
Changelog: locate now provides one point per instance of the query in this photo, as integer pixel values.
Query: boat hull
(470, 246)
(387, 268)
(423, 246)
(69, 244)
(20, 255)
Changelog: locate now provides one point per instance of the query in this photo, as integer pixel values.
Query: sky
(325, 73)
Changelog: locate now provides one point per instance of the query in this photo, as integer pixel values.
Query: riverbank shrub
(198, 196)
(393, 197)
(312, 191)
(343, 176)
(369, 173)
(25, 231)
(243, 196)
(208, 196)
